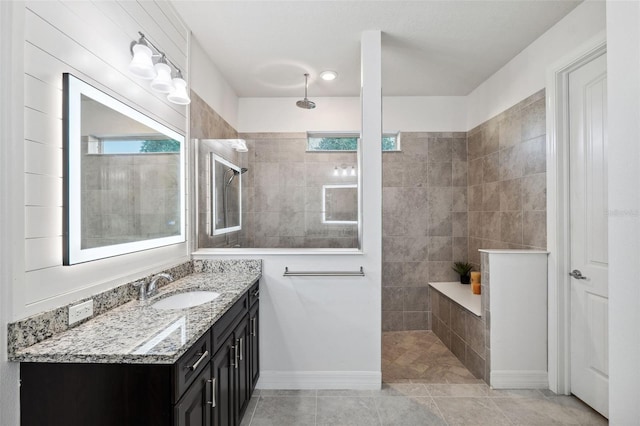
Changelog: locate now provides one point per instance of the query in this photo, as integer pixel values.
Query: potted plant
(463, 269)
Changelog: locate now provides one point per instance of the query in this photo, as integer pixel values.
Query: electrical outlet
(80, 311)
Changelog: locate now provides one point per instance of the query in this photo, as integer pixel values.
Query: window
(347, 142)
(131, 145)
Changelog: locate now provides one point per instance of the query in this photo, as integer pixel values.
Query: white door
(589, 260)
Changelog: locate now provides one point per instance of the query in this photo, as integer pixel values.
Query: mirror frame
(73, 253)
(219, 231)
(324, 204)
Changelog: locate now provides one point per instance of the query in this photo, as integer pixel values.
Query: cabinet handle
(256, 293)
(234, 362)
(197, 363)
(212, 403)
(253, 327)
(240, 343)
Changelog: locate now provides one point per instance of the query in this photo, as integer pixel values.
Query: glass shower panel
(291, 198)
(300, 199)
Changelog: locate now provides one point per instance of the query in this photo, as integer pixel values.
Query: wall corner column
(371, 163)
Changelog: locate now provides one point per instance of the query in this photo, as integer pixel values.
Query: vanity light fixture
(238, 144)
(345, 170)
(328, 75)
(165, 79)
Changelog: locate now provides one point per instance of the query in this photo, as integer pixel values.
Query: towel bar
(288, 273)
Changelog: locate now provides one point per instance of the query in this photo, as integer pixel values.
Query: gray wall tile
(510, 127)
(392, 298)
(440, 150)
(416, 274)
(440, 248)
(392, 321)
(533, 120)
(511, 227)
(416, 320)
(534, 192)
(521, 181)
(439, 174)
(491, 167)
(535, 229)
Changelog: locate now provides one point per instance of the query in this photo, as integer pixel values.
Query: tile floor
(439, 393)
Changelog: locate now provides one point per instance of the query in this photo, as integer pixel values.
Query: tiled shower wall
(424, 223)
(282, 202)
(507, 180)
(205, 123)
(447, 195)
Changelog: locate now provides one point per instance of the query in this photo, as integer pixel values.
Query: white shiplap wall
(91, 41)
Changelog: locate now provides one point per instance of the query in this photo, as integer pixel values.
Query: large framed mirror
(124, 177)
(226, 197)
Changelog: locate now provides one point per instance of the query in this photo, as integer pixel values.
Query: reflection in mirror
(227, 195)
(124, 179)
(340, 203)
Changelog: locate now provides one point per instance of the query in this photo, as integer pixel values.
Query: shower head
(306, 103)
(235, 173)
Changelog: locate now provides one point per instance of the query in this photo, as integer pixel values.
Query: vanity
(140, 365)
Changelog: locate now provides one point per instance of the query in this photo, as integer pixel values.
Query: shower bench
(505, 341)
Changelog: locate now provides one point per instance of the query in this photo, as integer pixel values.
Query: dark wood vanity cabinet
(232, 363)
(253, 345)
(211, 384)
(194, 408)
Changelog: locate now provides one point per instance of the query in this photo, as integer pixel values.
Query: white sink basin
(186, 300)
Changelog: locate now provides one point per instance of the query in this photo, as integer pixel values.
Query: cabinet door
(224, 372)
(194, 408)
(254, 347)
(242, 394)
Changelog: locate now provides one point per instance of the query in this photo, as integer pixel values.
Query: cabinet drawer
(254, 293)
(187, 368)
(224, 326)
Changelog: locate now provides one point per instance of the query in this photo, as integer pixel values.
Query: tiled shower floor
(420, 355)
(424, 384)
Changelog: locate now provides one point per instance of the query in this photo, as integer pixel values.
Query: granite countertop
(135, 332)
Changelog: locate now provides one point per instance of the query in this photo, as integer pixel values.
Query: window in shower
(347, 142)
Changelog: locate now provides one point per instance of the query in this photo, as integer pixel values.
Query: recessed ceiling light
(328, 75)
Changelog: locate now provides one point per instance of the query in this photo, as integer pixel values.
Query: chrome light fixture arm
(157, 54)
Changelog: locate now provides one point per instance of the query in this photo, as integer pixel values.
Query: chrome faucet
(152, 288)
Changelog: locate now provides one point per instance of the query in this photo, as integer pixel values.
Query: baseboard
(365, 380)
(508, 379)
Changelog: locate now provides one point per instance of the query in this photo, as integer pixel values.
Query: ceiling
(429, 48)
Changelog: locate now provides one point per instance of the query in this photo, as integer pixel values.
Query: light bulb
(344, 171)
(162, 83)
(353, 171)
(179, 93)
(239, 145)
(335, 171)
(142, 65)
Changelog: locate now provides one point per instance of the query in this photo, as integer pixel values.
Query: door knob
(577, 274)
